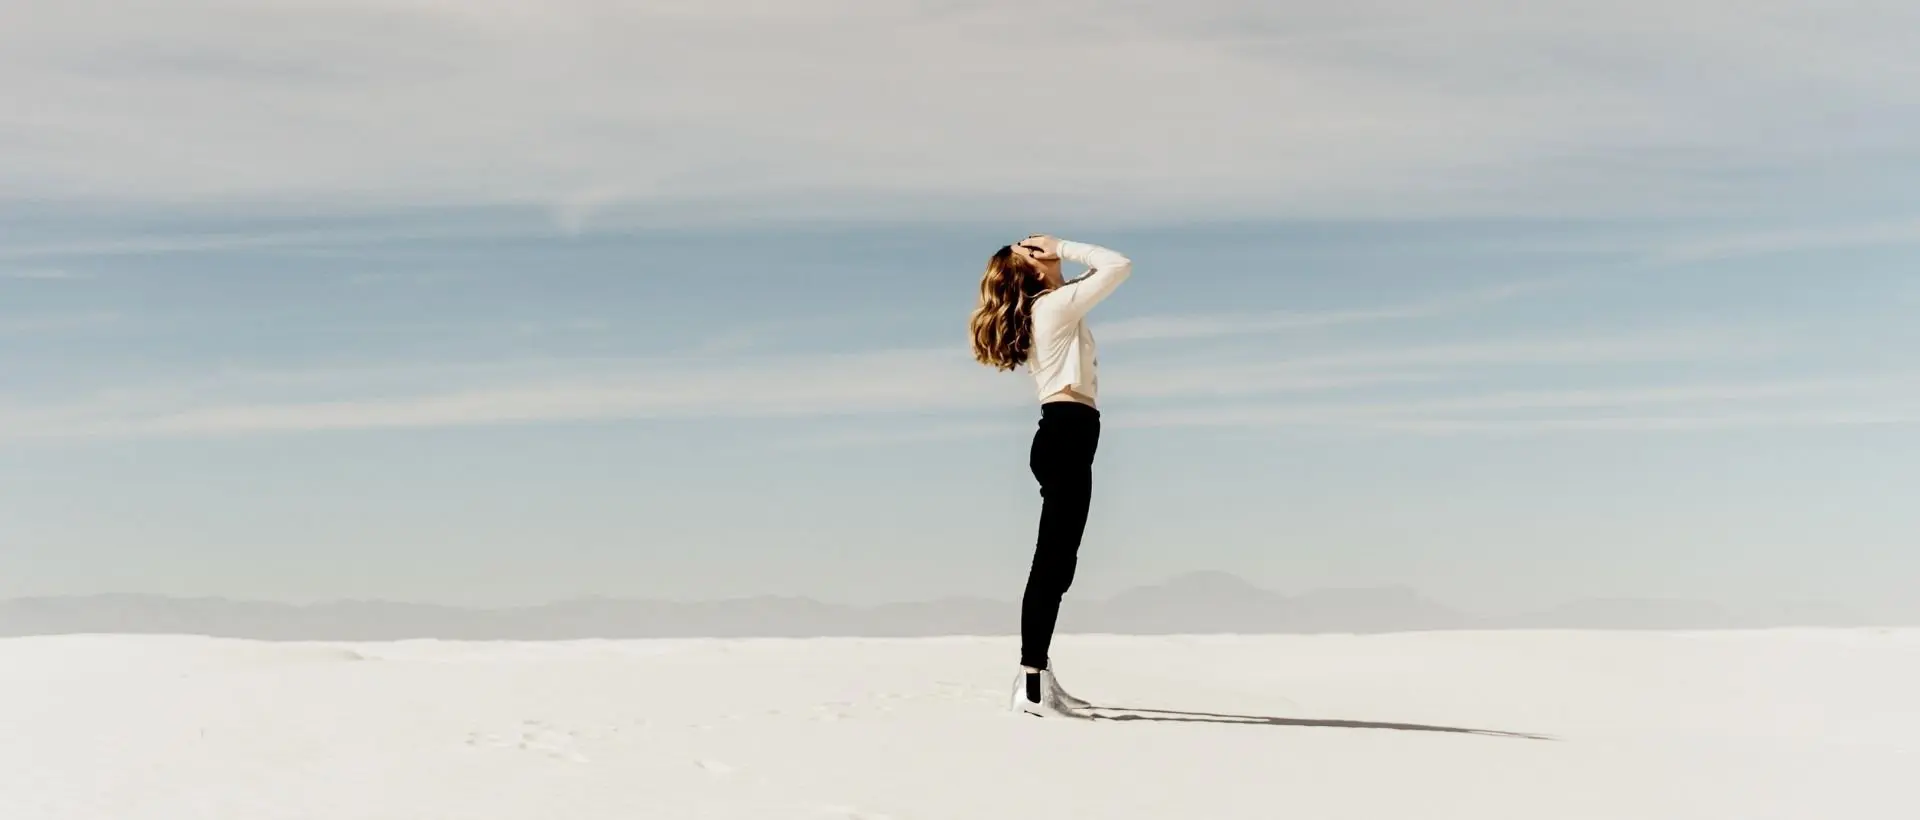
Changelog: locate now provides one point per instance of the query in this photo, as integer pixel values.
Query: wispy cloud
(1671, 423)
(1667, 254)
(1204, 325)
(57, 323)
(726, 378)
(943, 431)
(766, 387)
(43, 274)
(1867, 401)
(745, 109)
(1896, 395)
(1430, 365)
(912, 381)
(194, 242)
(1789, 239)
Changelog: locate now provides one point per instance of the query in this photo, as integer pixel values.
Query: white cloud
(57, 323)
(1677, 421)
(192, 243)
(1879, 400)
(706, 109)
(1781, 240)
(1883, 401)
(884, 382)
(931, 381)
(43, 274)
(1861, 398)
(922, 434)
(724, 379)
(1204, 325)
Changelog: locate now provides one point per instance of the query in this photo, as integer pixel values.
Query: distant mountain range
(1199, 603)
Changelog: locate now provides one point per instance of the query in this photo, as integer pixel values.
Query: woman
(1028, 314)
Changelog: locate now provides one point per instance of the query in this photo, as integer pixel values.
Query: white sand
(1812, 725)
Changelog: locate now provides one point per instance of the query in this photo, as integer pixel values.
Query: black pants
(1062, 460)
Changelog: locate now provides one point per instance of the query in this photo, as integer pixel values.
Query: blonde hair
(1002, 322)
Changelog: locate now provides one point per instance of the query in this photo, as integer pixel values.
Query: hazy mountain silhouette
(1198, 603)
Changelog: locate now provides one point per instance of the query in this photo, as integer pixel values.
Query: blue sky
(504, 304)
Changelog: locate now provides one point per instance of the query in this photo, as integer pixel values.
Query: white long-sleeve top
(1064, 354)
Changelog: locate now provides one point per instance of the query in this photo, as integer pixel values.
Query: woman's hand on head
(1040, 246)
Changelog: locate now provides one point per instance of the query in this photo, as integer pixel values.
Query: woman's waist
(1068, 401)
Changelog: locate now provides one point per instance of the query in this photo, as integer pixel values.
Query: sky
(499, 303)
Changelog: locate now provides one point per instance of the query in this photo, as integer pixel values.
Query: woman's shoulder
(1046, 310)
(1051, 301)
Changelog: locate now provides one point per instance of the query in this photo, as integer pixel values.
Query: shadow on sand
(1126, 713)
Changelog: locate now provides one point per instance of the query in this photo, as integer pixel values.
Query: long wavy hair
(1002, 322)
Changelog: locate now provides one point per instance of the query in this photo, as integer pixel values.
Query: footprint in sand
(556, 743)
(536, 737)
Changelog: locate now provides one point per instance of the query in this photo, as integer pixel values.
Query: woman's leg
(1062, 461)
